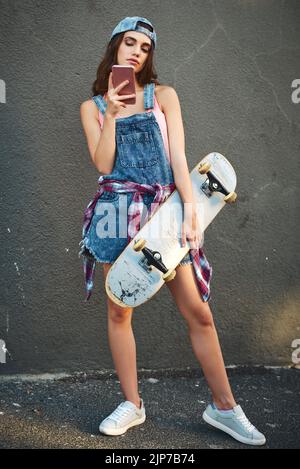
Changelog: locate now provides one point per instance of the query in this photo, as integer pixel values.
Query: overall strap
(100, 102)
(149, 96)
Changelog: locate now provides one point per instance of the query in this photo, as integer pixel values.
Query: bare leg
(203, 334)
(122, 346)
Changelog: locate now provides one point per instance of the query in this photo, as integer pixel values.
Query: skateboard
(150, 259)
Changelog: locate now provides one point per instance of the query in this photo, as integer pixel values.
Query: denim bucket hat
(134, 23)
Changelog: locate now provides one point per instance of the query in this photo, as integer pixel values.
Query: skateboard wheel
(139, 245)
(169, 275)
(204, 168)
(230, 198)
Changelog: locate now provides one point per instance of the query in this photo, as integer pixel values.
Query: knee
(200, 317)
(118, 314)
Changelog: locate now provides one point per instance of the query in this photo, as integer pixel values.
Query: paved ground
(65, 413)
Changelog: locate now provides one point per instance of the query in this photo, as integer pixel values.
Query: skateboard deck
(153, 254)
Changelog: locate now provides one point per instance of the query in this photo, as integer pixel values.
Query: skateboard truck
(212, 184)
(153, 258)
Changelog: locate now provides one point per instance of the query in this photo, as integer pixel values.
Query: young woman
(139, 149)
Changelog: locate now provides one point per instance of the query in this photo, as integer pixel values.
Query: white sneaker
(235, 423)
(126, 415)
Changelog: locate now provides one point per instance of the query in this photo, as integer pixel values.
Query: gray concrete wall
(233, 65)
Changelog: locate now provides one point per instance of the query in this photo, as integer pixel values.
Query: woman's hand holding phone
(114, 101)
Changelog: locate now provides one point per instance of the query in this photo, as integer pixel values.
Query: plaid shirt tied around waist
(202, 268)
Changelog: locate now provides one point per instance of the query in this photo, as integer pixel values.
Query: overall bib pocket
(137, 150)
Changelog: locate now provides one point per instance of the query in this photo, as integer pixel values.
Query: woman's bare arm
(191, 229)
(101, 143)
(172, 111)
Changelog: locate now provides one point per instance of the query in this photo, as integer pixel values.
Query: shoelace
(119, 413)
(246, 423)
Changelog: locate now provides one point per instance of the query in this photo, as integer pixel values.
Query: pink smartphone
(121, 73)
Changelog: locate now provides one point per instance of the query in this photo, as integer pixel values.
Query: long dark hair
(146, 75)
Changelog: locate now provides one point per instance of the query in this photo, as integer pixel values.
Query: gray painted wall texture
(235, 66)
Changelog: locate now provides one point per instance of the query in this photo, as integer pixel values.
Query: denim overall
(140, 157)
